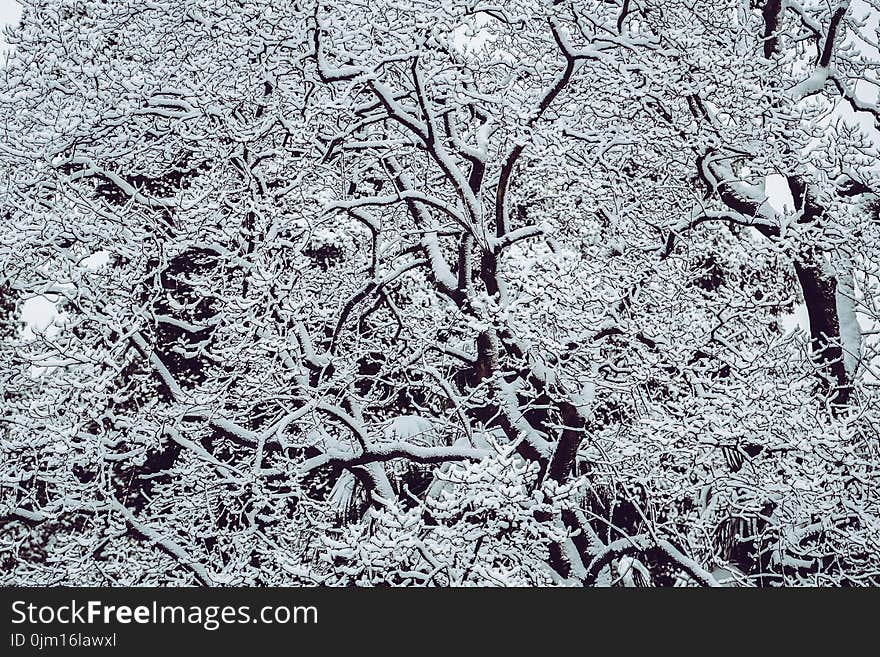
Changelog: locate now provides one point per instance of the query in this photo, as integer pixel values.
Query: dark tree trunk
(820, 297)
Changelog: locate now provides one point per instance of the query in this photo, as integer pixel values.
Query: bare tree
(415, 295)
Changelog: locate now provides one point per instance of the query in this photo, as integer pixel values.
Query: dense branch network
(378, 293)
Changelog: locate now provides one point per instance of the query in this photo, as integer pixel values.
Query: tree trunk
(820, 297)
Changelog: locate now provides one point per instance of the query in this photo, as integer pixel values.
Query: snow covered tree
(576, 293)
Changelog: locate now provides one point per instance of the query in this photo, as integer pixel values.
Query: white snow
(10, 12)
(95, 261)
(778, 193)
(39, 315)
(410, 428)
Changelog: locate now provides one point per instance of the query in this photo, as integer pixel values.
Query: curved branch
(395, 450)
(635, 544)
